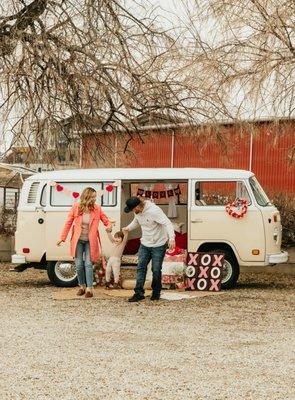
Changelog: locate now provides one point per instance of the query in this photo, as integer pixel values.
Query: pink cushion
(181, 240)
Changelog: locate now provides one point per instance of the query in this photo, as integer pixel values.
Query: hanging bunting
(109, 188)
(75, 195)
(116, 183)
(140, 192)
(162, 194)
(100, 192)
(177, 191)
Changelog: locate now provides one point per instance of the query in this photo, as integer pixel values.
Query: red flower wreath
(241, 204)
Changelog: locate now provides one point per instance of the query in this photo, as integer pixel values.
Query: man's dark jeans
(145, 255)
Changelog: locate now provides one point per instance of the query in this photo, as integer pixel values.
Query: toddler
(114, 263)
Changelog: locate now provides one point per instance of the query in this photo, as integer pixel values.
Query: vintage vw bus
(195, 200)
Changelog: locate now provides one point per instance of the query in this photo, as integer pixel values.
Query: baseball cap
(131, 203)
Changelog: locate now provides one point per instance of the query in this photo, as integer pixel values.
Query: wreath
(237, 208)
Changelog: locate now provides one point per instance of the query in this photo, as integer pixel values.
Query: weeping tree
(249, 49)
(86, 65)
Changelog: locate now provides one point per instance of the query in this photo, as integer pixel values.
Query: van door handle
(196, 221)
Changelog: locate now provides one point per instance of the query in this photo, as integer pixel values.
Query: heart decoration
(238, 208)
(109, 188)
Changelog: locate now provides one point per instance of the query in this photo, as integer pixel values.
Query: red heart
(109, 188)
(75, 195)
(59, 188)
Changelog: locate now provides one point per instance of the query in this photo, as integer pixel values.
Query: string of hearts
(100, 192)
(162, 194)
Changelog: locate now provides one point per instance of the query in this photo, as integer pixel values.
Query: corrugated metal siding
(153, 152)
(271, 163)
(209, 152)
(230, 149)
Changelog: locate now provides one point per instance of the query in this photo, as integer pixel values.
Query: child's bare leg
(108, 273)
(116, 272)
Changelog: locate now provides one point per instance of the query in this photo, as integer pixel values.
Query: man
(156, 231)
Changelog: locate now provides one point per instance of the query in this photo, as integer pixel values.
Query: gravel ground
(238, 345)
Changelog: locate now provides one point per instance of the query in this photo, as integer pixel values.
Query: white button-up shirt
(155, 225)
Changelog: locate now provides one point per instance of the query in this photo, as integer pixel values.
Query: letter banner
(162, 194)
(204, 271)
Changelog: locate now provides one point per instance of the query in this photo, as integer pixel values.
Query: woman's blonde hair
(86, 200)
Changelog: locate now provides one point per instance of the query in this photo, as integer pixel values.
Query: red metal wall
(271, 163)
(227, 149)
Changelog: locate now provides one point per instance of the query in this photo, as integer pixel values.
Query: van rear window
(32, 196)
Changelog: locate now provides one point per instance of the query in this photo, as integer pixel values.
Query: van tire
(56, 278)
(232, 268)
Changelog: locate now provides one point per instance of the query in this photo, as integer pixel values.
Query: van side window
(65, 198)
(32, 196)
(219, 193)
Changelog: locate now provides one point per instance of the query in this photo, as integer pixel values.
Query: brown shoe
(88, 295)
(81, 292)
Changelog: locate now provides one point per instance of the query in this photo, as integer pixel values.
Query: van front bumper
(18, 259)
(278, 258)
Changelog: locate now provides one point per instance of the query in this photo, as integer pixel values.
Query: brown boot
(80, 292)
(88, 295)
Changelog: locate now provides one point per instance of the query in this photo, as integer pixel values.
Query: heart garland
(59, 188)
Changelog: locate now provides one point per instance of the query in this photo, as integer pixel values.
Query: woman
(85, 217)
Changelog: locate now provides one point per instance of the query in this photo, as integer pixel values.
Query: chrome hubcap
(65, 271)
(227, 271)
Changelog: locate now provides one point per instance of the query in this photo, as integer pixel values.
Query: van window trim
(88, 182)
(194, 181)
(269, 202)
(41, 195)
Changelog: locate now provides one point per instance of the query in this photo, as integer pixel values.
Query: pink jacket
(75, 219)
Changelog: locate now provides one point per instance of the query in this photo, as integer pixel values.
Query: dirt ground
(236, 345)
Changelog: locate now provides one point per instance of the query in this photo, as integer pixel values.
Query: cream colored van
(194, 199)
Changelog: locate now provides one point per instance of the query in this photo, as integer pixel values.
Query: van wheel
(231, 270)
(62, 273)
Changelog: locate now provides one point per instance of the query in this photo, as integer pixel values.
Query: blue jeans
(145, 255)
(84, 267)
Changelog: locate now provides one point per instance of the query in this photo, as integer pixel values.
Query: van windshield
(258, 192)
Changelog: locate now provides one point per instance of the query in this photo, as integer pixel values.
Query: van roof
(109, 174)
